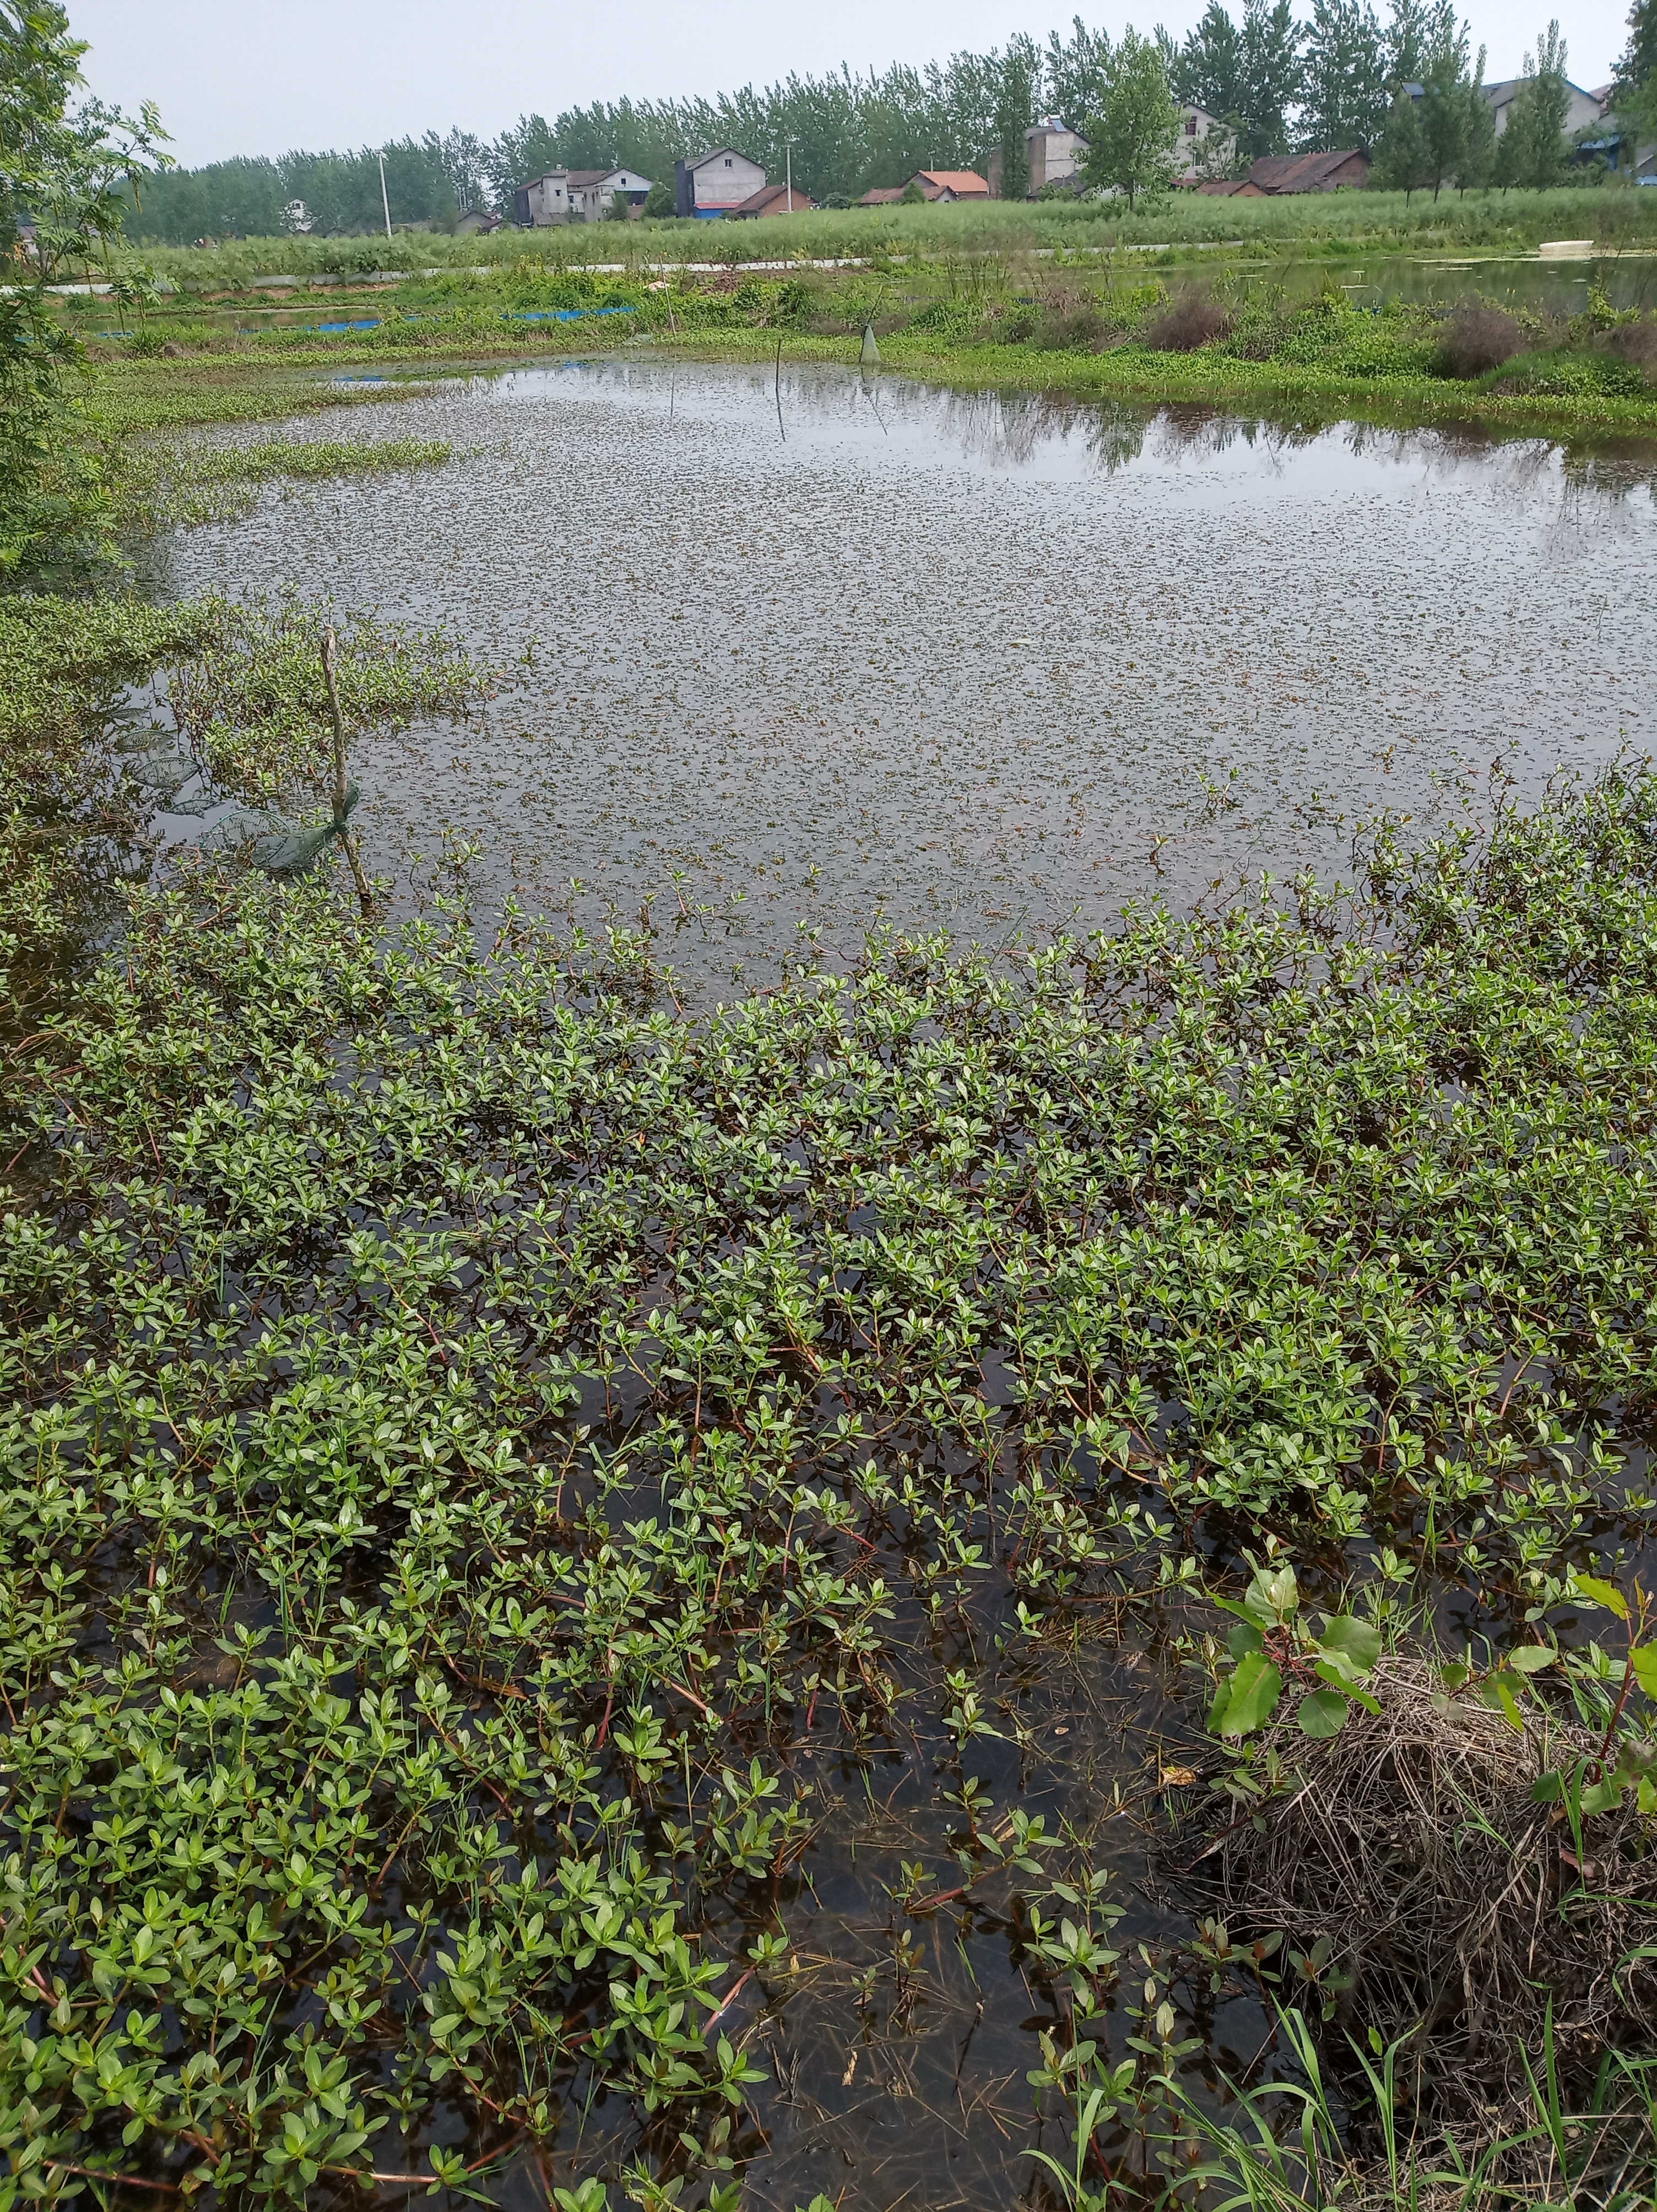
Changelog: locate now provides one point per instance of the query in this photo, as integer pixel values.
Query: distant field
(1310, 222)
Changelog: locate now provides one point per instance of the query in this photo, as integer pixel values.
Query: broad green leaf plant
(1275, 1648)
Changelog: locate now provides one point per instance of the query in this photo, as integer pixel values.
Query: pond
(787, 657)
(780, 655)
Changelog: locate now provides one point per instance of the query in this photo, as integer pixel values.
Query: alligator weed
(89, 755)
(189, 484)
(1111, 327)
(577, 1580)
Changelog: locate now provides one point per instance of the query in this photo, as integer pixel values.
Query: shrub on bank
(1193, 319)
(1478, 338)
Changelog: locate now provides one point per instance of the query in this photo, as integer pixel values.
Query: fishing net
(278, 847)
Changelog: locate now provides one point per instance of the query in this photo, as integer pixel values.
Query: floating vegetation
(252, 701)
(71, 810)
(502, 1485)
(190, 483)
(87, 760)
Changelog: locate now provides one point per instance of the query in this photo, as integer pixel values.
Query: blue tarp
(566, 315)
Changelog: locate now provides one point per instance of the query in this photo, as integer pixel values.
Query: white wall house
(1196, 127)
(591, 191)
(1582, 108)
(1056, 154)
(576, 195)
(714, 183)
(544, 199)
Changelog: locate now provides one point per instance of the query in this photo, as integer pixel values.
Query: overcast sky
(264, 77)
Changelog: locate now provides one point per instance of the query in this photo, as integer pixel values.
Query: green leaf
(1336, 1680)
(1357, 1642)
(1643, 1657)
(1508, 1703)
(1243, 1639)
(1605, 1594)
(1547, 1789)
(1601, 1797)
(1532, 1658)
(1253, 1692)
(1322, 1712)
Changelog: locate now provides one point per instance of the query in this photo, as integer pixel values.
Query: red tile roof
(1302, 173)
(965, 184)
(773, 199)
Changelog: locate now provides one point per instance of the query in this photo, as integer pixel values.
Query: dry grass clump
(1075, 325)
(1455, 1906)
(1635, 344)
(1477, 339)
(1195, 318)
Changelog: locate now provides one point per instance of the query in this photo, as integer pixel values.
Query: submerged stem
(365, 896)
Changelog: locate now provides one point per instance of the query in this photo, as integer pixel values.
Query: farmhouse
(1196, 127)
(1309, 173)
(1055, 152)
(1582, 109)
(715, 183)
(576, 196)
(543, 200)
(774, 199)
(938, 186)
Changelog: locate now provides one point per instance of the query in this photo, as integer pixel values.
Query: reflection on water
(974, 661)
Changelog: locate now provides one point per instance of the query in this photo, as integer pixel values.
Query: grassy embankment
(1111, 329)
(1331, 223)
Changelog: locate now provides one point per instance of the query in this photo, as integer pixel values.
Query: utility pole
(384, 201)
(788, 155)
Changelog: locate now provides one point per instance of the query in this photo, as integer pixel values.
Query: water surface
(825, 651)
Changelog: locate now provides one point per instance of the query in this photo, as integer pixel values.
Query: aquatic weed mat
(591, 1598)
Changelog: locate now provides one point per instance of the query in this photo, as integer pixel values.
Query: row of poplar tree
(1333, 80)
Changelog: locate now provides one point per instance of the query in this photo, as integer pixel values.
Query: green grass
(1326, 223)
(1035, 327)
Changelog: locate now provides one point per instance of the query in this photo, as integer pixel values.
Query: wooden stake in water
(782, 433)
(340, 790)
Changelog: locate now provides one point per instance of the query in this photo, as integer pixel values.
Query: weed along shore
(1506, 341)
(826, 1346)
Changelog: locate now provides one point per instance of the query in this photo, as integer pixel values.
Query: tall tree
(1405, 43)
(1343, 77)
(1131, 139)
(1638, 65)
(1443, 109)
(1539, 153)
(1077, 71)
(1271, 75)
(1477, 157)
(1210, 72)
(1634, 91)
(1016, 111)
(69, 173)
(1401, 163)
